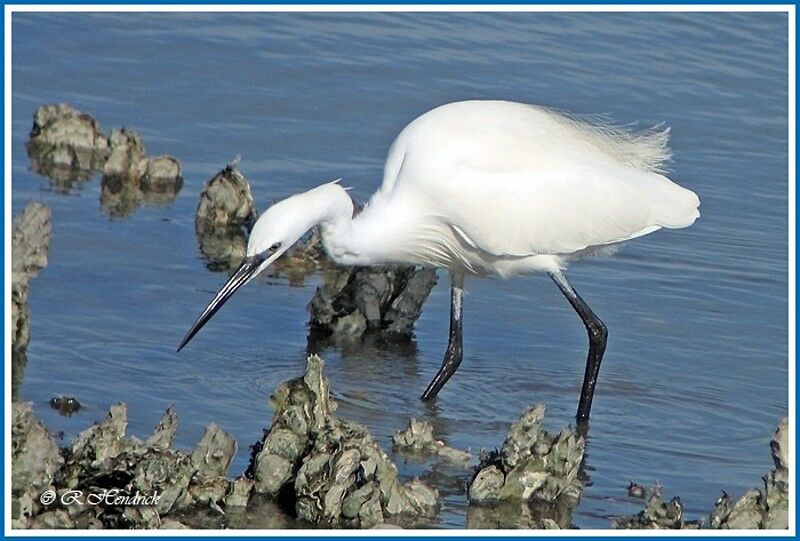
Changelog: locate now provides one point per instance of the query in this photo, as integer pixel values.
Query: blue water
(695, 376)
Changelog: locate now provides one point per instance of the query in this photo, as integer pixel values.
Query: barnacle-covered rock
(334, 471)
(35, 462)
(658, 515)
(532, 467)
(65, 144)
(765, 508)
(130, 176)
(183, 488)
(417, 439)
(224, 214)
(30, 241)
(381, 300)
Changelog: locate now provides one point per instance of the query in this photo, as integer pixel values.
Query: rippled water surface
(695, 376)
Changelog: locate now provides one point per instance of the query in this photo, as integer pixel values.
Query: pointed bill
(248, 269)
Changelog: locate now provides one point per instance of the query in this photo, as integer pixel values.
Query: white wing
(518, 180)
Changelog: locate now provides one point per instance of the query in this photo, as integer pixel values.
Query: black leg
(454, 353)
(598, 336)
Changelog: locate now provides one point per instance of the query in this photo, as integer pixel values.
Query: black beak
(245, 271)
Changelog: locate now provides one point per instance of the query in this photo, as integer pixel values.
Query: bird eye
(275, 247)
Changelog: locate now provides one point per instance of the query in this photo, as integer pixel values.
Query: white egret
(488, 188)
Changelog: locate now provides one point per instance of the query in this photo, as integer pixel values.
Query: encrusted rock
(302, 259)
(130, 176)
(104, 461)
(35, 461)
(765, 508)
(418, 439)
(532, 467)
(224, 214)
(65, 144)
(164, 434)
(30, 241)
(128, 157)
(658, 515)
(161, 180)
(382, 300)
(214, 453)
(335, 472)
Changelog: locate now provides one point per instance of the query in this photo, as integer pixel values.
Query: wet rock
(418, 439)
(125, 472)
(35, 462)
(161, 180)
(30, 241)
(226, 200)
(224, 214)
(765, 508)
(658, 515)
(532, 467)
(65, 144)
(128, 157)
(330, 470)
(164, 434)
(260, 513)
(65, 405)
(131, 177)
(214, 453)
(382, 300)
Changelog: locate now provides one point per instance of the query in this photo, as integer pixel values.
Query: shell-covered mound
(66, 145)
(332, 471)
(532, 482)
(385, 301)
(417, 439)
(765, 508)
(30, 242)
(225, 213)
(107, 479)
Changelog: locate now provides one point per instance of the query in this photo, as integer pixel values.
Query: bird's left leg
(454, 353)
(598, 336)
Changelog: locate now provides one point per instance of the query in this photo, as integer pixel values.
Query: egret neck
(343, 236)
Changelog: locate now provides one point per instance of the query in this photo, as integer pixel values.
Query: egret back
(514, 180)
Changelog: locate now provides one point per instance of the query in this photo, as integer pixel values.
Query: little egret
(485, 188)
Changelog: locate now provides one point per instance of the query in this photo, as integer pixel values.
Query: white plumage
(506, 188)
(489, 188)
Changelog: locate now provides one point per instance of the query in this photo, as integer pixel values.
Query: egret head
(275, 231)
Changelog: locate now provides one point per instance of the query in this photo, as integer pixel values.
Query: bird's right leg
(455, 350)
(598, 336)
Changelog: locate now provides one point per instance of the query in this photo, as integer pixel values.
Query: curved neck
(374, 237)
(350, 240)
